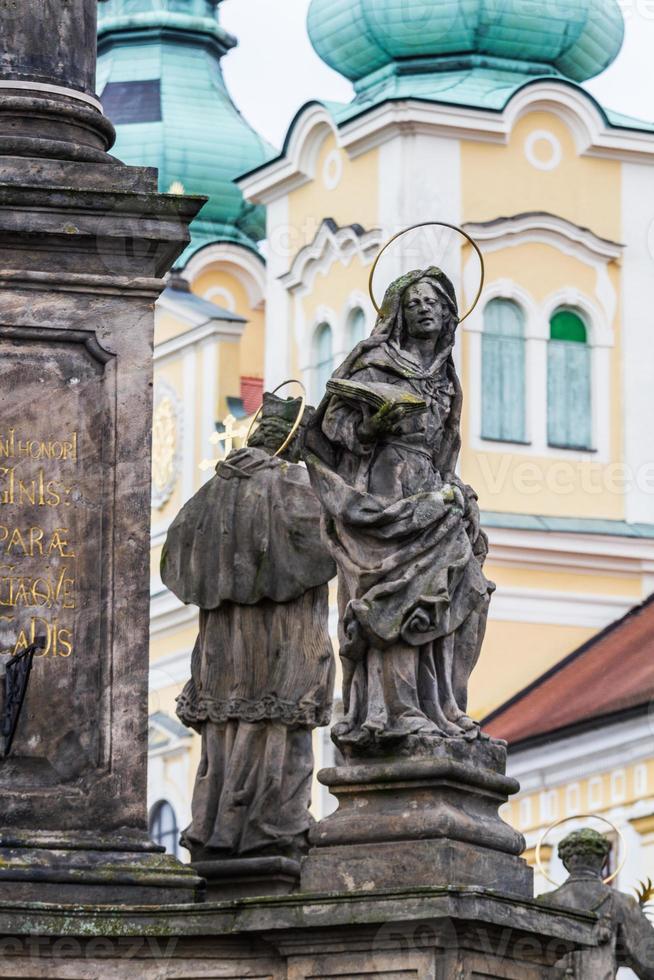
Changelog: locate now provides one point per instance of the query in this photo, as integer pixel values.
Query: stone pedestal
(245, 877)
(84, 244)
(420, 821)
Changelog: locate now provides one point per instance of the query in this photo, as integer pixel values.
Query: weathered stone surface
(627, 933)
(247, 550)
(416, 934)
(419, 821)
(404, 530)
(83, 249)
(420, 791)
(243, 877)
(47, 81)
(49, 41)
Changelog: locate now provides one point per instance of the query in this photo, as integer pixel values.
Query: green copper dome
(161, 84)
(573, 38)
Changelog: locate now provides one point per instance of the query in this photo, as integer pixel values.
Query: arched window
(503, 372)
(163, 827)
(322, 359)
(356, 327)
(568, 383)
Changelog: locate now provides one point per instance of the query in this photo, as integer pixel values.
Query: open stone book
(380, 396)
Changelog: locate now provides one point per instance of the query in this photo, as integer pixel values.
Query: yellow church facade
(554, 360)
(550, 196)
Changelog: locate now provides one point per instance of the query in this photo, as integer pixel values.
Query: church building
(470, 114)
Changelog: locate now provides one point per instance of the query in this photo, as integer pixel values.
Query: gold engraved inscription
(37, 554)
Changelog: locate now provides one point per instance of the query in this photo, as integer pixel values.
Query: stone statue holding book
(401, 526)
(247, 550)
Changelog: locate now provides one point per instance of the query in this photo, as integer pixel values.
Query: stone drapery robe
(246, 549)
(410, 563)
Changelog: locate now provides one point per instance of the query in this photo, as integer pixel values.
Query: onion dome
(161, 84)
(360, 38)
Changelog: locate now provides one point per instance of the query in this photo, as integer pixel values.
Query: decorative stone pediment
(331, 244)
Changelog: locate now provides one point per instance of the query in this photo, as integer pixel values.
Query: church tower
(160, 79)
(161, 82)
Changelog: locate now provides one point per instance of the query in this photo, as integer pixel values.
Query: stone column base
(80, 870)
(428, 821)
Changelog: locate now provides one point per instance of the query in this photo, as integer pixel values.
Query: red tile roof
(611, 673)
(251, 393)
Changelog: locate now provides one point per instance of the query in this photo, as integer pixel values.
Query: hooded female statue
(402, 528)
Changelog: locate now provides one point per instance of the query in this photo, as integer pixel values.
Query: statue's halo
(428, 224)
(296, 424)
(580, 816)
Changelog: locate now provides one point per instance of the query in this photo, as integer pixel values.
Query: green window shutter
(567, 325)
(569, 396)
(503, 372)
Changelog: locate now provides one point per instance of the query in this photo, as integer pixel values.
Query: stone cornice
(594, 135)
(545, 227)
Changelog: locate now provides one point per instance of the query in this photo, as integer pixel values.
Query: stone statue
(403, 529)
(246, 549)
(627, 935)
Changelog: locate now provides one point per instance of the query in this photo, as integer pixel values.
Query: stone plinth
(244, 877)
(419, 821)
(415, 934)
(84, 245)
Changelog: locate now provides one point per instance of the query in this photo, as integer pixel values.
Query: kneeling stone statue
(246, 549)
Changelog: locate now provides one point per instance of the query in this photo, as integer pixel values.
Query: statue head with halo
(420, 312)
(445, 284)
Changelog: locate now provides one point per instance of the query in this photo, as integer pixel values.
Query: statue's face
(423, 311)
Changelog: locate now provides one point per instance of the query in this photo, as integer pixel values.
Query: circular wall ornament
(543, 150)
(332, 170)
(166, 443)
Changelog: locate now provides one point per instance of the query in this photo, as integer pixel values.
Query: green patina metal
(161, 61)
(576, 38)
(474, 53)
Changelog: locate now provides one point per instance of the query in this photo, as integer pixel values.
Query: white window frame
(308, 365)
(357, 300)
(600, 340)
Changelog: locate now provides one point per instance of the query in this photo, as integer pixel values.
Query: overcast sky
(275, 70)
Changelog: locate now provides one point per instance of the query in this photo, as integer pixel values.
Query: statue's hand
(382, 423)
(452, 494)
